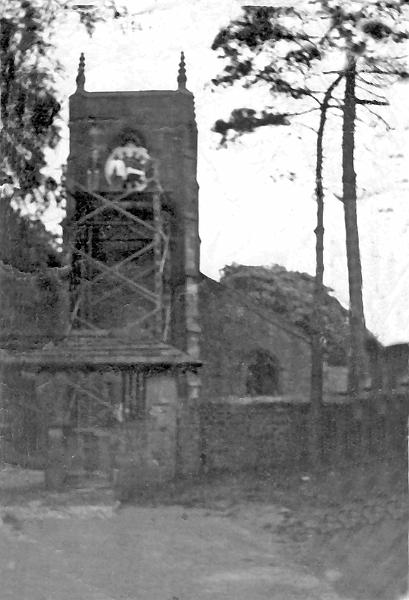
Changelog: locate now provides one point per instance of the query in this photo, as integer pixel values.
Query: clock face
(129, 166)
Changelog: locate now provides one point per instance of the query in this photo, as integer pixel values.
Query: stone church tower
(132, 223)
(121, 385)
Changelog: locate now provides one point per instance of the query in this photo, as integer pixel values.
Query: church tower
(119, 387)
(132, 222)
(132, 235)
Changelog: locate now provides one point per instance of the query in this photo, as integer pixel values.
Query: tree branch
(373, 102)
(372, 83)
(375, 114)
(399, 73)
(361, 87)
(307, 127)
(302, 112)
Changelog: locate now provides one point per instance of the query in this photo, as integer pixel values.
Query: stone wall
(161, 424)
(31, 315)
(23, 434)
(267, 433)
(250, 433)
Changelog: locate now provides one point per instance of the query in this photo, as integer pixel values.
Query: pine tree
(292, 51)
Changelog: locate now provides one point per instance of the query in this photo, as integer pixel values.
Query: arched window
(263, 374)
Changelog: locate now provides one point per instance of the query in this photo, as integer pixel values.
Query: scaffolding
(119, 245)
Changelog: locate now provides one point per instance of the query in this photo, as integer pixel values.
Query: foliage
(293, 51)
(25, 243)
(291, 294)
(29, 99)
(245, 120)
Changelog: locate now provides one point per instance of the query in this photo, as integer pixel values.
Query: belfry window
(263, 374)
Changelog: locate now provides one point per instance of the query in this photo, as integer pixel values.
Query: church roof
(251, 304)
(285, 299)
(91, 350)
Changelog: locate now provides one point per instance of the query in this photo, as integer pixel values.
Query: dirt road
(143, 553)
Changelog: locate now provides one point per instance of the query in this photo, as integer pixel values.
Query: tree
(317, 317)
(29, 100)
(290, 51)
(25, 243)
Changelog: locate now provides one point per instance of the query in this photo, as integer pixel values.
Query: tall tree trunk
(317, 336)
(357, 355)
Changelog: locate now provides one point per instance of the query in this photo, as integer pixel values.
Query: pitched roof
(257, 308)
(90, 350)
(285, 298)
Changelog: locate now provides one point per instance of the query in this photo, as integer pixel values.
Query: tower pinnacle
(182, 73)
(80, 80)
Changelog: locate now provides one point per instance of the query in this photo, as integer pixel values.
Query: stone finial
(182, 73)
(81, 74)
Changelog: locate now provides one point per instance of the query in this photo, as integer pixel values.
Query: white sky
(251, 211)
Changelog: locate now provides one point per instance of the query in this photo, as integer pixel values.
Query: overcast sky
(257, 196)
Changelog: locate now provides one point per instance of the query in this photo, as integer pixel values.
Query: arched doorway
(263, 374)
